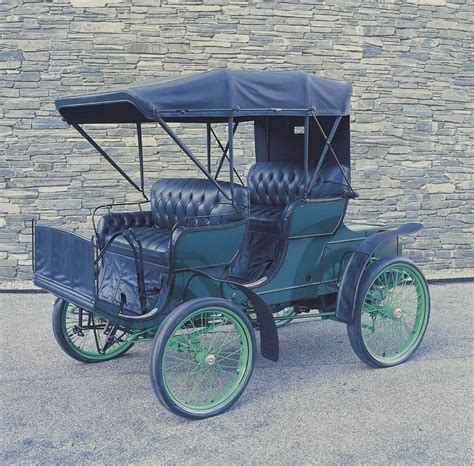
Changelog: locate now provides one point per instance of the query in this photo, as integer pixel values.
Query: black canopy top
(214, 95)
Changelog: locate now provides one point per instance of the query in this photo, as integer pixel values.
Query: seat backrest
(331, 183)
(276, 184)
(195, 202)
(113, 222)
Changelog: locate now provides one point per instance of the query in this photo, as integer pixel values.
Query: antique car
(200, 264)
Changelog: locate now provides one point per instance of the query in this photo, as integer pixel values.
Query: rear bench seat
(190, 202)
(273, 186)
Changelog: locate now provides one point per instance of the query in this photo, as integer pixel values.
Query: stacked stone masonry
(412, 113)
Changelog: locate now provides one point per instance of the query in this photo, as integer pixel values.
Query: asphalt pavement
(317, 404)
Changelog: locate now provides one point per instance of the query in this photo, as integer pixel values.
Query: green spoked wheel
(282, 318)
(203, 357)
(391, 313)
(87, 337)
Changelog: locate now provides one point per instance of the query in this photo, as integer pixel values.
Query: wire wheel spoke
(85, 334)
(394, 313)
(282, 318)
(207, 371)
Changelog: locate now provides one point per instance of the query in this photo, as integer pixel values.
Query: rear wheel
(85, 336)
(203, 357)
(391, 313)
(282, 318)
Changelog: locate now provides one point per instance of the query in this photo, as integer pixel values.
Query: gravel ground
(318, 404)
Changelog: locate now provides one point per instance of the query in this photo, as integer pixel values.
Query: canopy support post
(208, 138)
(230, 131)
(105, 155)
(329, 146)
(189, 153)
(224, 151)
(306, 155)
(140, 157)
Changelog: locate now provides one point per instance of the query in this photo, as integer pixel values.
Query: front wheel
(85, 336)
(202, 358)
(391, 313)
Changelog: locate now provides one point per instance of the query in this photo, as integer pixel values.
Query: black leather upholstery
(186, 202)
(265, 218)
(112, 223)
(275, 185)
(155, 244)
(331, 183)
(197, 202)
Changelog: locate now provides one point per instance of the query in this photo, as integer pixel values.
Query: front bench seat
(183, 202)
(273, 186)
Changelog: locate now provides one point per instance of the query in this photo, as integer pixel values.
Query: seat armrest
(115, 222)
(287, 215)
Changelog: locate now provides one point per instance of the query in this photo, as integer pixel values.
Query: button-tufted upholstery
(112, 223)
(195, 201)
(275, 185)
(182, 202)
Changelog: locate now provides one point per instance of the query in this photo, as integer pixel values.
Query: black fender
(269, 342)
(351, 279)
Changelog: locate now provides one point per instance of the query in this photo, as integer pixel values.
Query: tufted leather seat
(195, 202)
(174, 202)
(112, 223)
(275, 185)
(155, 244)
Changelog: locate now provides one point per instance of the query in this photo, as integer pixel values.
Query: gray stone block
(16, 56)
(370, 51)
(411, 111)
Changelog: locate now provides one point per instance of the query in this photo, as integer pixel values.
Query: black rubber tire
(354, 327)
(58, 310)
(166, 330)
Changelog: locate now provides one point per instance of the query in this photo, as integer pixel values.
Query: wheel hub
(78, 330)
(210, 359)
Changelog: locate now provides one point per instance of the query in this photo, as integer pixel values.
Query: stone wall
(412, 114)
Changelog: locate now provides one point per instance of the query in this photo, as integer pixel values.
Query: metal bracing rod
(306, 153)
(230, 130)
(225, 150)
(189, 153)
(323, 153)
(221, 161)
(208, 140)
(105, 155)
(328, 143)
(140, 157)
